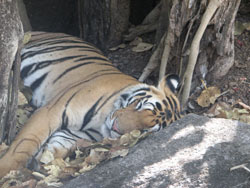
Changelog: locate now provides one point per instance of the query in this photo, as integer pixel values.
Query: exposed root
(149, 24)
(153, 61)
(194, 50)
(139, 30)
(165, 55)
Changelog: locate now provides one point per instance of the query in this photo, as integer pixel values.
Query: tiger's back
(53, 63)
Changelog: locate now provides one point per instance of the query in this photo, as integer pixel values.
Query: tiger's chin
(110, 128)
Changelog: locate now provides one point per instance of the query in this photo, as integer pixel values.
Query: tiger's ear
(171, 81)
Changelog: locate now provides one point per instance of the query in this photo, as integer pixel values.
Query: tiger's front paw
(7, 164)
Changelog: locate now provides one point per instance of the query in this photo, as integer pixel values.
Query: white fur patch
(174, 82)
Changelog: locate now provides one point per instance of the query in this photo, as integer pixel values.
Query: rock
(193, 152)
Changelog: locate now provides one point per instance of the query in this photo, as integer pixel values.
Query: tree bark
(11, 33)
(23, 15)
(103, 22)
(195, 46)
(222, 58)
(181, 21)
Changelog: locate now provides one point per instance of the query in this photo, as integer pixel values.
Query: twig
(223, 93)
(244, 105)
(240, 166)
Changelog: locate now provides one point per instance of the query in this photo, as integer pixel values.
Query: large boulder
(193, 152)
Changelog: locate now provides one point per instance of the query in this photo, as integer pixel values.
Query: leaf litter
(55, 171)
(237, 111)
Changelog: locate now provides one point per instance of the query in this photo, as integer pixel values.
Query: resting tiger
(80, 94)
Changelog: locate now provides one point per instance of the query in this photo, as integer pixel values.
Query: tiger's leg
(42, 124)
(62, 142)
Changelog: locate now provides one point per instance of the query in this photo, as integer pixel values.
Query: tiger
(79, 94)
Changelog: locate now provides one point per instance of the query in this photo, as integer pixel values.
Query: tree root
(149, 24)
(194, 50)
(139, 30)
(153, 61)
(165, 55)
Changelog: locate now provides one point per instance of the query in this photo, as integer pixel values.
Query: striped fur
(80, 94)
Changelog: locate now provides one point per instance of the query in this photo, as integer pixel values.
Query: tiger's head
(144, 107)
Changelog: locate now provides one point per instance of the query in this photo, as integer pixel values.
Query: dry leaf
(17, 176)
(136, 41)
(208, 96)
(78, 153)
(223, 110)
(11, 175)
(121, 46)
(26, 37)
(27, 184)
(53, 170)
(21, 99)
(111, 142)
(247, 26)
(60, 163)
(47, 157)
(245, 118)
(50, 180)
(10, 183)
(70, 169)
(86, 167)
(241, 111)
(22, 116)
(218, 110)
(117, 153)
(135, 133)
(124, 140)
(83, 143)
(238, 28)
(95, 156)
(38, 175)
(142, 47)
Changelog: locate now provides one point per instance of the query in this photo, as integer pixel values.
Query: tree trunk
(10, 39)
(23, 15)
(103, 22)
(221, 58)
(215, 50)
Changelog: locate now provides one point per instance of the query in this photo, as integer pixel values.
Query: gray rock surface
(193, 152)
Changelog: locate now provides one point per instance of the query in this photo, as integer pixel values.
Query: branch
(153, 61)
(194, 50)
(165, 55)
